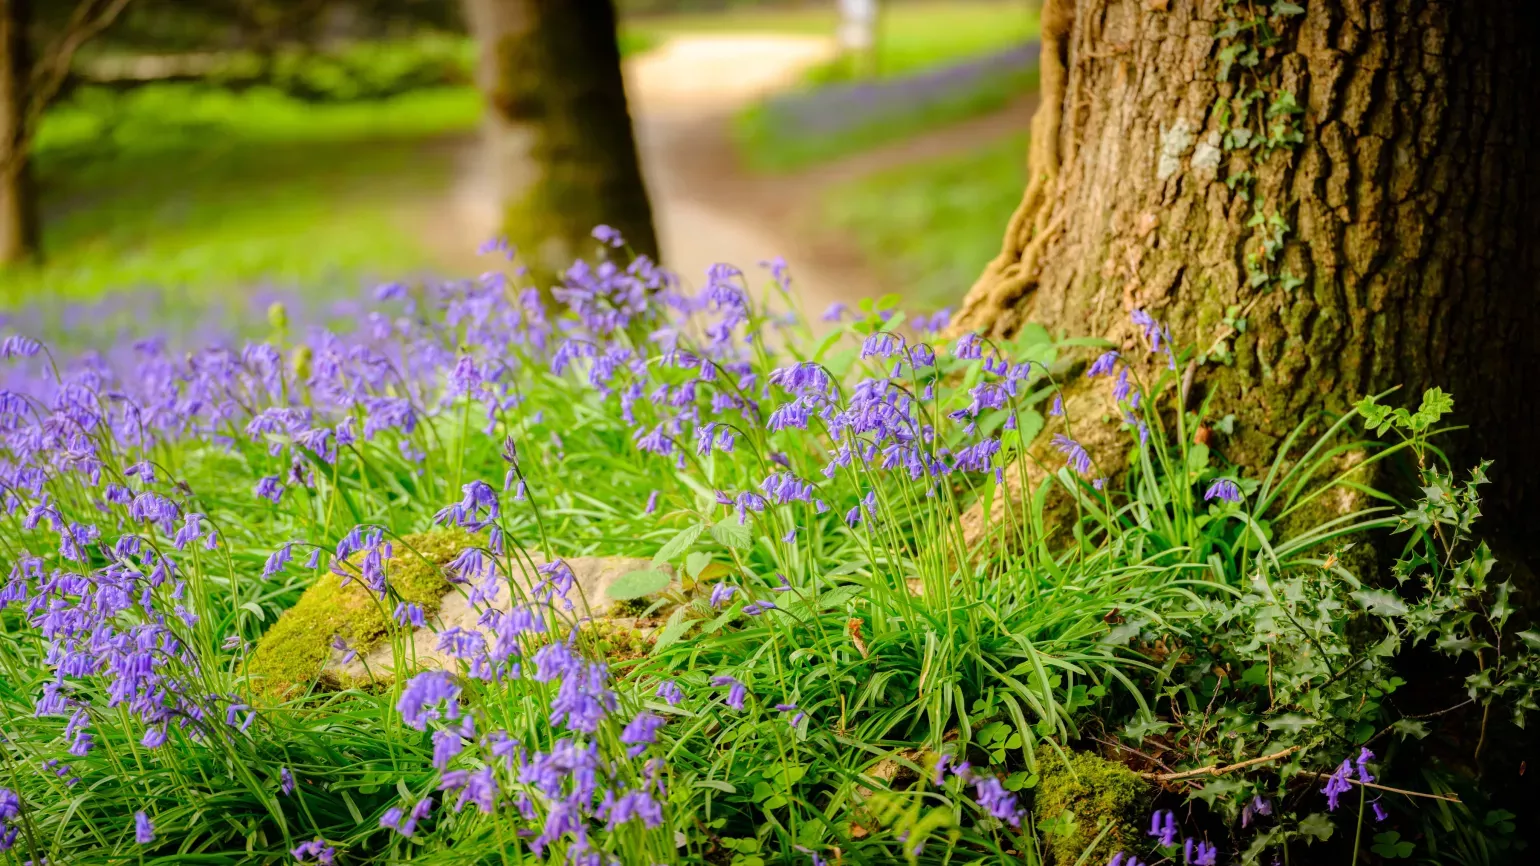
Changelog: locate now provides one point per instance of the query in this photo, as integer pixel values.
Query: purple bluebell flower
(670, 692)
(641, 732)
(1338, 784)
(969, 348)
(835, 312)
(1057, 410)
(1163, 827)
(994, 799)
(1379, 811)
(340, 645)
(316, 850)
(18, 346)
(755, 608)
(1224, 489)
(408, 613)
(1362, 764)
(1257, 806)
(423, 693)
(285, 780)
(269, 488)
(144, 829)
(722, 594)
(1103, 365)
(608, 236)
(1075, 455)
(652, 502)
(736, 691)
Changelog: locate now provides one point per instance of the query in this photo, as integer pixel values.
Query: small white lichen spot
(1174, 144)
(1205, 158)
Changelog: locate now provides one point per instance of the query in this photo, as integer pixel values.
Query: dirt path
(708, 209)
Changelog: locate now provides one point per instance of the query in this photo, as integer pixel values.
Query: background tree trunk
(559, 131)
(1370, 214)
(19, 224)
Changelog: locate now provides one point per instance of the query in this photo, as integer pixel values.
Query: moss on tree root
(293, 653)
(1095, 792)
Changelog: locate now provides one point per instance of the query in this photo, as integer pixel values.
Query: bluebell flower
(641, 732)
(670, 692)
(1224, 489)
(736, 691)
(1338, 784)
(1163, 827)
(722, 593)
(144, 829)
(1075, 455)
(1103, 365)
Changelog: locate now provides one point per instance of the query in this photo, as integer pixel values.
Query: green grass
(185, 186)
(928, 228)
(914, 38)
(203, 190)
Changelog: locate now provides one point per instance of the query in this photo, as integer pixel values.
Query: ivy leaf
(1410, 728)
(636, 584)
(679, 543)
(1121, 634)
(1317, 825)
(731, 533)
(1291, 723)
(1380, 602)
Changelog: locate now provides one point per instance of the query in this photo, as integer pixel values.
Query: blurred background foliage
(219, 145)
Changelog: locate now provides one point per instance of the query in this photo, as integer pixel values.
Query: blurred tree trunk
(1325, 199)
(559, 132)
(18, 202)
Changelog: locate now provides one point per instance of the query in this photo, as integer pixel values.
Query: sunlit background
(215, 156)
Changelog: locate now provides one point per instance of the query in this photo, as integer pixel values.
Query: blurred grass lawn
(914, 35)
(915, 38)
(204, 191)
(178, 186)
(199, 190)
(930, 227)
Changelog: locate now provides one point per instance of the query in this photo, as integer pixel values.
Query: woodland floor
(709, 208)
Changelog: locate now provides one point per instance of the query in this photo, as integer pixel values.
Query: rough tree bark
(27, 85)
(1370, 212)
(19, 225)
(562, 149)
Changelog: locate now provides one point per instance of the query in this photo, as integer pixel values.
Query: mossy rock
(295, 652)
(1095, 791)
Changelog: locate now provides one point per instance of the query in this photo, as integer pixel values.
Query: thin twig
(1448, 798)
(1148, 757)
(1219, 769)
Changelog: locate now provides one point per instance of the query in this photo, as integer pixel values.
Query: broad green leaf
(696, 561)
(636, 584)
(679, 543)
(1317, 825)
(731, 533)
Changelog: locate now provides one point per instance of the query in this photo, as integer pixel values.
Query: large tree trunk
(18, 201)
(1371, 214)
(562, 148)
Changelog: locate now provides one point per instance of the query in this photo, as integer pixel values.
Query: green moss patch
(1095, 792)
(293, 653)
